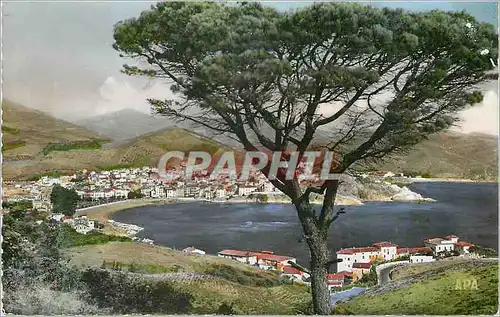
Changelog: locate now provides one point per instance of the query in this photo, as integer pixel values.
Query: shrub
(124, 294)
(243, 277)
(40, 299)
(226, 309)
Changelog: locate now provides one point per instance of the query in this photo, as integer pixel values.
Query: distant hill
(125, 124)
(141, 151)
(451, 155)
(27, 132)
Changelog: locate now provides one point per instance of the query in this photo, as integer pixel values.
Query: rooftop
(357, 250)
(359, 265)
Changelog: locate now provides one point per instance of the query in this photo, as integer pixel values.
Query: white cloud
(117, 94)
(481, 118)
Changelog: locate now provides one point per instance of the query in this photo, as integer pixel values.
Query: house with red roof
(388, 250)
(264, 259)
(380, 251)
(294, 274)
(448, 243)
(338, 280)
(269, 260)
(359, 269)
(240, 256)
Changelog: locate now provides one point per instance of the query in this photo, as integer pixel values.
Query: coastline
(451, 180)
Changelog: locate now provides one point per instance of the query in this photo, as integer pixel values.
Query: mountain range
(132, 138)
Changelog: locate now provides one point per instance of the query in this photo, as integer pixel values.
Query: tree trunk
(317, 241)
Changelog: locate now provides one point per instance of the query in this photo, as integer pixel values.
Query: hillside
(35, 142)
(144, 150)
(455, 288)
(27, 132)
(125, 124)
(249, 290)
(451, 155)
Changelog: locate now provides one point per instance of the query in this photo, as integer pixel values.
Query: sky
(57, 57)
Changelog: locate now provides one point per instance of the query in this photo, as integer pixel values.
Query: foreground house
(338, 280)
(350, 256)
(294, 274)
(264, 259)
(240, 256)
(448, 244)
(359, 269)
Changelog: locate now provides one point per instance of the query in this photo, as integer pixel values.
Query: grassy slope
(209, 294)
(435, 295)
(451, 155)
(27, 131)
(145, 150)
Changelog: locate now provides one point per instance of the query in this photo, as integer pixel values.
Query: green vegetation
(127, 295)
(21, 206)
(39, 280)
(13, 145)
(135, 194)
(115, 167)
(9, 130)
(464, 292)
(93, 144)
(63, 200)
(260, 198)
(140, 268)
(230, 273)
(55, 174)
(369, 279)
(68, 237)
(482, 251)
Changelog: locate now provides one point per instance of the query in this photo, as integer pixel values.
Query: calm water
(469, 210)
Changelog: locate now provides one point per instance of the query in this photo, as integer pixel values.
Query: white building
(158, 192)
(83, 225)
(421, 258)
(220, 193)
(356, 255)
(245, 191)
(172, 193)
(193, 250)
(387, 249)
(121, 193)
(439, 245)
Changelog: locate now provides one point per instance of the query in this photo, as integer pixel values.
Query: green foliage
(68, 237)
(262, 198)
(369, 279)
(12, 145)
(55, 174)
(140, 268)
(124, 294)
(226, 309)
(23, 205)
(63, 200)
(249, 66)
(75, 145)
(482, 251)
(136, 194)
(114, 167)
(232, 274)
(9, 130)
(439, 289)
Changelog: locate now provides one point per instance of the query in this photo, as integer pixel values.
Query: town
(96, 188)
(355, 261)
